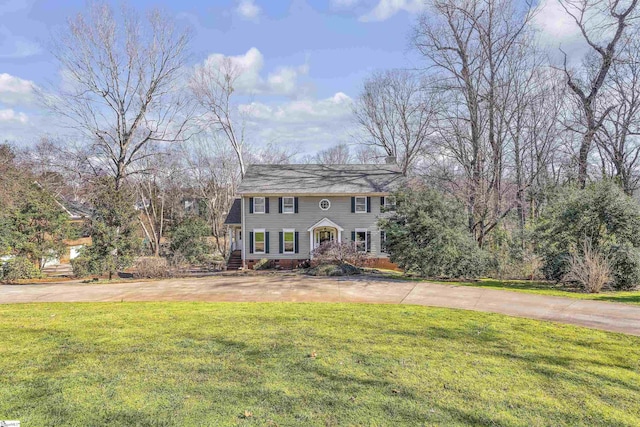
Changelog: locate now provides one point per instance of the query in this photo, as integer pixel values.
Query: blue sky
(305, 60)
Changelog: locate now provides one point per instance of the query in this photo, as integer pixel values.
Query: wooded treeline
(490, 116)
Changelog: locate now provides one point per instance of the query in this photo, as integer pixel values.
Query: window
(325, 204)
(288, 204)
(389, 203)
(383, 242)
(258, 241)
(361, 239)
(289, 241)
(361, 204)
(258, 205)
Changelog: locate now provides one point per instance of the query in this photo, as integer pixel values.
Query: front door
(323, 235)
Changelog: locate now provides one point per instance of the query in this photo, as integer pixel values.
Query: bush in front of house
(331, 269)
(601, 213)
(428, 234)
(336, 259)
(151, 268)
(263, 264)
(338, 253)
(18, 268)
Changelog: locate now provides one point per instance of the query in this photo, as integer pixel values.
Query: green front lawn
(252, 364)
(550, 288)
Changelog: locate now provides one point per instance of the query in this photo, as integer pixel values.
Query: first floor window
(258, 205)
(361, 204)
(258, 241)
(289, 241)
(361, 240)
(383, 242)
(288, 204)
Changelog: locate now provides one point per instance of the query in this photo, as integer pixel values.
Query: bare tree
(338, 154)
(211, 175)
(119, 83)
(619, 138)
(395, 113)
(603, 34)
(213, 86)
(474, 52)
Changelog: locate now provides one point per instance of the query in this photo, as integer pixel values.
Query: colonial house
(284, 212)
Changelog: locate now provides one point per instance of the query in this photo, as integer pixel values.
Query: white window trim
(255, 232)
(355, 207)
(366, 234)
(284, 247)
(383, 242)
(324, 200)
(264, 205)
(293, 205)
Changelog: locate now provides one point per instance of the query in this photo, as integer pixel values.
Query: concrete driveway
(296, 288)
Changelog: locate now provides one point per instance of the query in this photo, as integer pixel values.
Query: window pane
(259, 241)
(361, 204)
(361, 241)
(258, 205)
(288, 241)
(288, 204)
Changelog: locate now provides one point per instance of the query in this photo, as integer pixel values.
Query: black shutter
(281, 240)
(266, 242)
(250, 204)
(368, 204)
(296, 242)
(266, 205)
(295, 201)
(353, 236)
(353, 205)
(251, 242)
(279, 204)
(368, 241)
(381, 203)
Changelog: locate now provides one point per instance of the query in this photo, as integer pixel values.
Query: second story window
(258, 205)
(361, 204)
(288, 204)
(390, 203)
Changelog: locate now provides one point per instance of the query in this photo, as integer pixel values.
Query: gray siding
(309, 213)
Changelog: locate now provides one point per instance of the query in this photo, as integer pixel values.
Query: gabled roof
(235, 213)
(321, 179)
(325, 222)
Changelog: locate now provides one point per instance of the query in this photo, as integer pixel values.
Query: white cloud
(554, 23)
(283, 81)
(304, 126)
(247, 9)
(9, 115)
(14, 90)
(385, 9)
(338, 107)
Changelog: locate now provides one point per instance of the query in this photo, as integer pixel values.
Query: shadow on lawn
(628, 299)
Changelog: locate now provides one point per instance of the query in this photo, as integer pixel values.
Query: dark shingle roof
(321, 179)
(235, 213)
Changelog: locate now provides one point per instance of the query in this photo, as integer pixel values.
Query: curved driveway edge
(606, 316)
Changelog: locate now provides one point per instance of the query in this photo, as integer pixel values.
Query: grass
(528, 286)
(550, 288)
(251, 364)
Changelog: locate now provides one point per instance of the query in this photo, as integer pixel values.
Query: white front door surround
(323, 230)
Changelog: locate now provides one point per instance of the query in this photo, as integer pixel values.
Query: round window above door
(325, 204)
